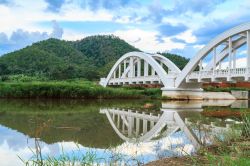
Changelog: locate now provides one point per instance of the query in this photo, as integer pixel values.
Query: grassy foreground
(71, 89)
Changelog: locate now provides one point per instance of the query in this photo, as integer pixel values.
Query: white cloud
(187, 36)
(147, 40)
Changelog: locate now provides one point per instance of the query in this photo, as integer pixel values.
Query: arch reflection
(136, 126)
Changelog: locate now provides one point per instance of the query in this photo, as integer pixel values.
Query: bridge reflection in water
(135, 126)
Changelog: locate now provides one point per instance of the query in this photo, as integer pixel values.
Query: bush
(70, 89)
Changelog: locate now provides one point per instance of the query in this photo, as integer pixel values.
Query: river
(111, 131)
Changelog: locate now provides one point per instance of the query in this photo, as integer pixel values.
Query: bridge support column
(152, 71)
(183, 93)
(145, 68)
(124, 67)
(214, 64)
(139, 68)
(120, 71)
(234, 59)
(248, 56)
(131, 66)
(230, 58)
(200, 69)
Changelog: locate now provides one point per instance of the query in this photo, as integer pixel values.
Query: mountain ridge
(91, 58)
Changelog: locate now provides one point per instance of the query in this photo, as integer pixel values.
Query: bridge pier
(183, 94)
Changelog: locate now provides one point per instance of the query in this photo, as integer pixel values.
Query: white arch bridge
(216, 62)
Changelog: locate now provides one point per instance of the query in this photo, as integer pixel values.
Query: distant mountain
(90, 58)
(103, 51)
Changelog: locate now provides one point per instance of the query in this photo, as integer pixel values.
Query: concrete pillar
(145, 68)
(145, 125)
(214, 58)
(230, 57)
(120, 71)
(118, 121)
(214, 63)
(137, 127)
(134, 69)
(200, 70)
(161, 63)
(139, 68)
(131, 66)
(248, 55)
(200, 65)
(152, 71)
(151, 122)
(130, 124)
(114, 74)
(123, 126)
(124, 66)
(234, 59)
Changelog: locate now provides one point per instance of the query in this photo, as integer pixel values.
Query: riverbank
(236, 154)
(82, 89)
(230, 148)
(73, 89)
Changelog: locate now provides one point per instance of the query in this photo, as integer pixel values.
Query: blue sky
(176, 26)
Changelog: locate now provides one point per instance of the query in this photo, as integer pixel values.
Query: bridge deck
(225, 74)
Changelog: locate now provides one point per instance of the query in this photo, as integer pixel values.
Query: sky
(176, 26)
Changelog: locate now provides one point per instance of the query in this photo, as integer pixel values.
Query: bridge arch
(129, 60)
(163, 123)
(242, 35)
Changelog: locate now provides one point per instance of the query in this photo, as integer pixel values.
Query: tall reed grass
(70, 89)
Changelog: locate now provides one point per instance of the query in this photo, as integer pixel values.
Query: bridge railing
(237, 72)
(134, 80)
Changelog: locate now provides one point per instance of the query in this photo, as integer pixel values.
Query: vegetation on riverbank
(231, 148)
(71, 89)
(221, 89)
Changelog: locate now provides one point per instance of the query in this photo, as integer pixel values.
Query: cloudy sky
(176, 26)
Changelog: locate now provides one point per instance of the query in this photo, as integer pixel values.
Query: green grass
(233, 150)
(220, 89)
(71, 89)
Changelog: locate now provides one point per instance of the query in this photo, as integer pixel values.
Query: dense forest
(90, 58)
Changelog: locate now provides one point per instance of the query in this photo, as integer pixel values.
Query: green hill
(90, 58)
(103, 51)
(178, 60)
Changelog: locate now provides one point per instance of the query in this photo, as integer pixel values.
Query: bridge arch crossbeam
(228, 37)
(224, 53)
(131, 73)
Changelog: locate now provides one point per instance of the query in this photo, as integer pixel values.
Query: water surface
(118, 131)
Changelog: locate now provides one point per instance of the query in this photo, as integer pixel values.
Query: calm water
(121, 131)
